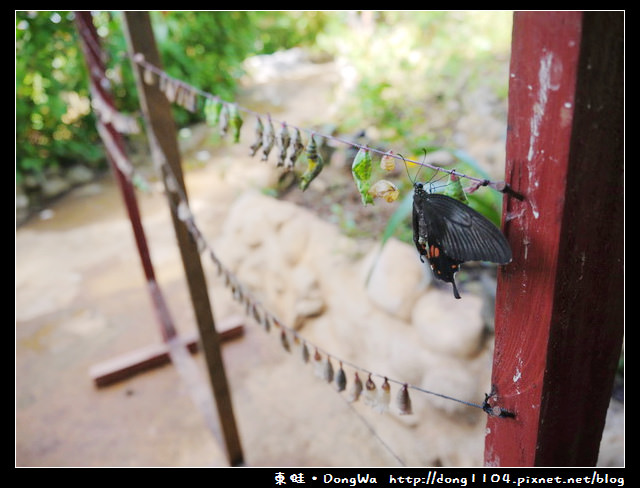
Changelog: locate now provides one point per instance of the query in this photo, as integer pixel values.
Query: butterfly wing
(426, 234)
(463, 233)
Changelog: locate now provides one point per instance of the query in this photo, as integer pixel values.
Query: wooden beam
(559, 304)
(140, 360)
(164, 146)
(114, 145)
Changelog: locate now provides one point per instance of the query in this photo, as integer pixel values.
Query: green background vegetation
(401, 61)
(404, 65)
(54, 124)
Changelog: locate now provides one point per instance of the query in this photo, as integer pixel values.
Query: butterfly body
(448, 232)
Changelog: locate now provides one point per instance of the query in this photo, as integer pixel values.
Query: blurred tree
(52, 104)
(54, 123)
(406, 71)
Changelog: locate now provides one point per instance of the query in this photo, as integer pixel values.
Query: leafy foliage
(52, 104)
(407, 70)
(54, 123)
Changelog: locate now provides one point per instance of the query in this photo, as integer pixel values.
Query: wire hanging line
(226, 114)
(324, 361)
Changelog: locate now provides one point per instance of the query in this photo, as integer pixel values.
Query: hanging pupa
(171, 90)
(255, 313)
(388, 162)
(236, 292)
(212, 109)
(180, 94)
(276, 323)
(384, 397)
(248, 303)
(305, 352)
(216, 261)
(162, 83)
(188, 98)
(296, 149)
(370, 392)
(201, 242)
(384, 189)
(266, 322)
(327, 373)
(318, 364)
(235, 122)
(259, 129)
(314, 164)
(192, 102)
(268, 139)
(341, 379)
(148, 76)
(285, 341)
(454, 189)
(226, 276)
(184, 212)
(356, 389)
(361, 171)
(404, 401)
(225, 120)
(283, 140)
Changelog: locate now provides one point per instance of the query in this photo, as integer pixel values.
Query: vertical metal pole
(94, 59)
(559, 306)
(162, 133)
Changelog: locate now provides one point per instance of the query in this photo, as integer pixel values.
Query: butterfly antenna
(413, 180)
(406, 168)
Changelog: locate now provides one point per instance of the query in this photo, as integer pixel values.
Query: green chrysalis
(454, 189)
(212, 109)
(235, 122)
(361, 170)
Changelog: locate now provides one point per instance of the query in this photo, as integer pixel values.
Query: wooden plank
(559, 304)
(164, 146)
(140, 360)
(114, 145)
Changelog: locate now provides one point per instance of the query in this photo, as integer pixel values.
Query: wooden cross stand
(162, 136)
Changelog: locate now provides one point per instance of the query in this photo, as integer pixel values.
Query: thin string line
(185, 215)
(500, 186)
(373, 431)
(183, 212)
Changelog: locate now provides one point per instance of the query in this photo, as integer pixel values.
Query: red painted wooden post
(559, 308)
(93, 56)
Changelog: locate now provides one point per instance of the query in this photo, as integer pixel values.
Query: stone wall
(376, 308)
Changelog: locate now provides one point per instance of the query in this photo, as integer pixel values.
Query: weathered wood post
(559, 306)
(162, 137)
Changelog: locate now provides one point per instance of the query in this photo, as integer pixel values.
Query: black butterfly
(448, 233)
